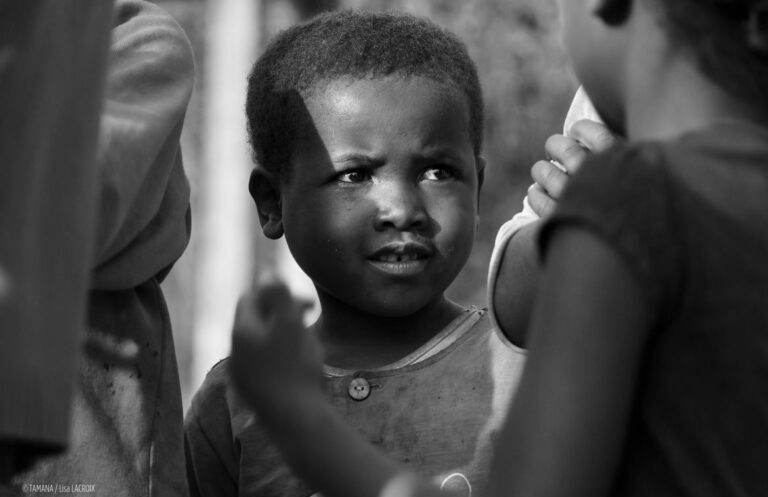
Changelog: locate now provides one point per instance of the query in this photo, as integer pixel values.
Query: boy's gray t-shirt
(437, 415)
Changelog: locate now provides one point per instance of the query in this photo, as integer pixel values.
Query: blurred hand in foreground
(274, 358)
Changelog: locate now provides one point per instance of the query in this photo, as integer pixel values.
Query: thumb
(272, 296)
(593, 135)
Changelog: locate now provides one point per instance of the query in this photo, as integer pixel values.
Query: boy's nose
(400, 207)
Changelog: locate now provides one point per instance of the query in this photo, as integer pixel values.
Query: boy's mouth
(401, 259)
(397, 257)
(402, 252)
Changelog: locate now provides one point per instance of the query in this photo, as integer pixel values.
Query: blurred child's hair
(354, 45)
(729, 39)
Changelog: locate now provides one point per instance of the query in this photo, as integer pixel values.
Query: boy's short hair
(355, 45)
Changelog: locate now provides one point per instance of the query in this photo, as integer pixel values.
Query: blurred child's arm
(514, 264)
(571, 410)
(275, 366)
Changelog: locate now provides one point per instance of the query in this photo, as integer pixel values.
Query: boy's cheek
(460, 209)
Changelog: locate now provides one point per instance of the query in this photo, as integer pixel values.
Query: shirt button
(359, 389)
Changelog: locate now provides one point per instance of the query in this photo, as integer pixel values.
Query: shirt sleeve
(211, 461)
(143, 221)
(624, 196)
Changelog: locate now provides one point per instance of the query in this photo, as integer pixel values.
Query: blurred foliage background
(527, 88)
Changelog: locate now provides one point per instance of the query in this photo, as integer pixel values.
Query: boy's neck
(354, 339)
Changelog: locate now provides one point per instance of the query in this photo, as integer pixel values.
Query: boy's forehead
(348, 94)
(376, 117)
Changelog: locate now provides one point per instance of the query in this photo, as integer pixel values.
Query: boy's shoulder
(469, 342)
(467, 338)
(470, 349)
(213, 394)
(484, 350)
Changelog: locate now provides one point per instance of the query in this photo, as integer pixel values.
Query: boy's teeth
(397, 257)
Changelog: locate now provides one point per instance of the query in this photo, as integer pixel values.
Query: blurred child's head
(367, 130)
(727, 39)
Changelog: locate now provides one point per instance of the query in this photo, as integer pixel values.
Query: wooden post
(226, 220)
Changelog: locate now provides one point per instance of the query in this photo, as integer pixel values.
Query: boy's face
(380, 207)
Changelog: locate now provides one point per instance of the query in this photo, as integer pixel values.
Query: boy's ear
(480, 164)
(613, 12)
(265, 190)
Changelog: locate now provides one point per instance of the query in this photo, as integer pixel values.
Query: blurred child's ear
(613, 12)
(265, 190)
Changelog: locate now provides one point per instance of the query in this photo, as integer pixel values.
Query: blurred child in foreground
(125, 435)
(47, 200)
(648, 350)
(367, 130)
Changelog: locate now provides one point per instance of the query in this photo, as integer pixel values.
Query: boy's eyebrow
(427, 155)
(433, 153)
(357, 158)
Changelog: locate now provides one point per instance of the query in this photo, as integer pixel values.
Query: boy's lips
(401, 259)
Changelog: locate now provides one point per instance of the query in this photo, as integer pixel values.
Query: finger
(541, 203)
(247, 337)
(549, 177)
(262, 312)
(272, 295)
(567, 151)
(593, 135)
(247, 321)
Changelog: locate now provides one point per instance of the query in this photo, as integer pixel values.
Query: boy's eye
(437, 174)
(354, 176)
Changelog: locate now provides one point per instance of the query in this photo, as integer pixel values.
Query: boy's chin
(394, 312)
(401, 306)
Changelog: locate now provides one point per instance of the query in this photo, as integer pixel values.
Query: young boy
(367, 130)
